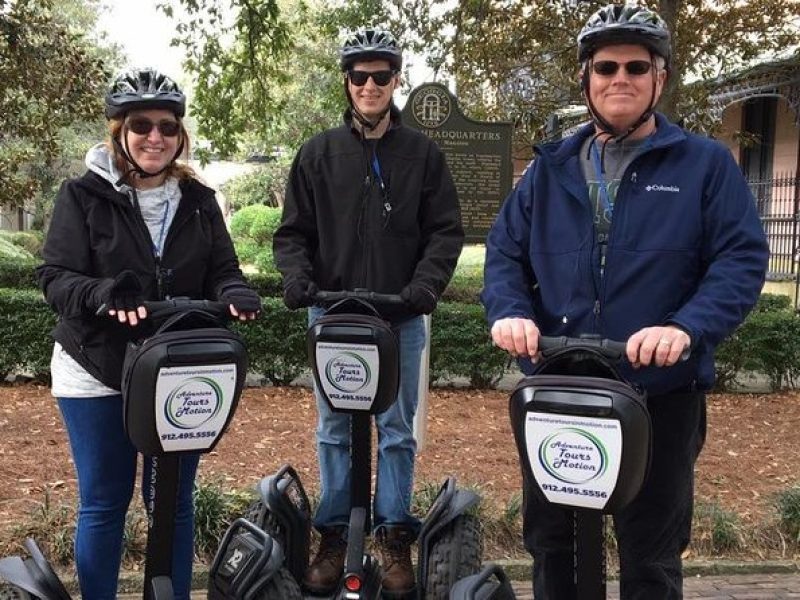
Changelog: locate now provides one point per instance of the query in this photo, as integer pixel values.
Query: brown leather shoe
(398, 572)
(325, 571)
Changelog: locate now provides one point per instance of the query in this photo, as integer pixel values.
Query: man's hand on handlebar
(657, 346)
(517, 336)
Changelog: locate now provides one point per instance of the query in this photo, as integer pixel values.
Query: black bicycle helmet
(144, 89)
(624, 24)
(370, 44)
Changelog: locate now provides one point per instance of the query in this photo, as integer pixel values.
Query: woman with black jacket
(137, 226)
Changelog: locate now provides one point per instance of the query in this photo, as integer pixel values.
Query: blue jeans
(105, 461)
(391, 504)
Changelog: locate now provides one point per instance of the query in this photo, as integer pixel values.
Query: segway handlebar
(610, 348)
(358, 294)
(181, 304)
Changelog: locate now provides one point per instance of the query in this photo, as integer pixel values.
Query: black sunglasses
(607, 68)
(380, 78)
(143, 126)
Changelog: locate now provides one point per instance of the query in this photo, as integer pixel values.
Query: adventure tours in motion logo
(573, 456)
(348, 372)
(196, 401)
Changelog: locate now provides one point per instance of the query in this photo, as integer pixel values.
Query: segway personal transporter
(180, 389)
(355, 360)
(583, 437)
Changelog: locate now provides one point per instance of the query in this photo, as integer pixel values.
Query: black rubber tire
(455, 555)
(254, 515)
(281, 587)
(12, 592)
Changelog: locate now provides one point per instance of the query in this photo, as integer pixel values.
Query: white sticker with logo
(348, 374)
(192, 405)
(575, 460)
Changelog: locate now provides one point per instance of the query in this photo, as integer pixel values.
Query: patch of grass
(716, 531)
(53, 528)
(215, 508)
(787, 504)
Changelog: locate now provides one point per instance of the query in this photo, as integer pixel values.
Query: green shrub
(276, 343)
(267, 284)
(18, 273)
(252, 229)
(26, 325)
(787, 504)
(31, 241)
(461, 346)
(767, 342)
(265, 185)
(772, 302)
(10, 250)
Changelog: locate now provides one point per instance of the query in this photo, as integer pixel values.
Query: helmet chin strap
(601, 122)
(125, 151)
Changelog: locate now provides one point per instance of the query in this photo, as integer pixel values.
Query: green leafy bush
(25, 331)
(18, 273)
(252, 229)
(11, 251)
(264, 185)
(461, 346)
(767, 342)
(30, 241)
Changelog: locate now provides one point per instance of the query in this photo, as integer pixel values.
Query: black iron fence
(778, 201)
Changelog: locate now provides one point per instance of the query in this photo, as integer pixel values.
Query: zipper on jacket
(604, 252)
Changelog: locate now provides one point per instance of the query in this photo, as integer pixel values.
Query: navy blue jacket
(686, 247)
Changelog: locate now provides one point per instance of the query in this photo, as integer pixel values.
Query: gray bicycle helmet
(144, 89)
(370, 44)
(624, 24)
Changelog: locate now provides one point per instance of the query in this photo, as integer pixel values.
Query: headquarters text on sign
(478, 154)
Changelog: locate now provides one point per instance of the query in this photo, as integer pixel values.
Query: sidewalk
(715, 587)
(747, 586)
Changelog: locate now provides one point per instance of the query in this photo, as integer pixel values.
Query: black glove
(242, 296)
(299, 293)
(123, 293)
(419, 298)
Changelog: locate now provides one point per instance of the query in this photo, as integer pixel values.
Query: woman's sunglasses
(143, 126)
(380, 78)
(607, 68)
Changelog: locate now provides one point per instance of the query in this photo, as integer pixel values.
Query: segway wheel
(456, 554)
(281, 586)
(12, 592)
(258, 514)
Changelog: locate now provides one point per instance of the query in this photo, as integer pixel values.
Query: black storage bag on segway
(181, 386)
(354, 357)
(570, 419)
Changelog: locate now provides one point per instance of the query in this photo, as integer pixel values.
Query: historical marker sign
(478, 154)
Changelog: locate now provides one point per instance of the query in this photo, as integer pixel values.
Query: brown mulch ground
(752, 452)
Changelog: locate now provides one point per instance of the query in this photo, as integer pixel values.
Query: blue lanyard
(376, 167)
(608, 205)
(158, 247)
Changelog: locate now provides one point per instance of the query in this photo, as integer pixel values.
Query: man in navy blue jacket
(635, 230)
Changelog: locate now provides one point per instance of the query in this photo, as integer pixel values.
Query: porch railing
(778, 202)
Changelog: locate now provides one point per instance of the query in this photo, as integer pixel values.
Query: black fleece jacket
(337, 229)
(96, 233)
